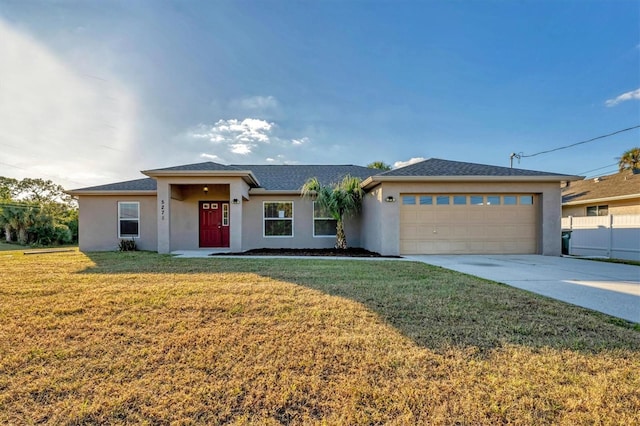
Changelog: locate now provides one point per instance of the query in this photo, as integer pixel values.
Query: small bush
(127, 245)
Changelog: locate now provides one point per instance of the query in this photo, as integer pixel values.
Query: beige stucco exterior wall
(178, 199)
(98, 222)
(253, 232)
(381, 229)
(370, 231)
(631, 206)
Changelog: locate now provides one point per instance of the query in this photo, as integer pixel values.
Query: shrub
(127, 245)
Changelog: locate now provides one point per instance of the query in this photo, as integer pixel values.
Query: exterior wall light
(205, 189)
(390, 199)
(235, 201)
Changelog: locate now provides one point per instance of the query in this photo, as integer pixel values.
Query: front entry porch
(201, 215)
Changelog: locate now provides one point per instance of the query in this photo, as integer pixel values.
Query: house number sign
(162, 209)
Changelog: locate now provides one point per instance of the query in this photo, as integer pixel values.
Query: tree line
(36, 211)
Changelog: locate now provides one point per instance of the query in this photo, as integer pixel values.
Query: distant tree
(42, 192)
(380, 165)
(630, 160)
(340, 200)
(8, 188)
(37, 211)
(6, 221)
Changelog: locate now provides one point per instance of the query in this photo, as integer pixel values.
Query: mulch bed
(349, 252)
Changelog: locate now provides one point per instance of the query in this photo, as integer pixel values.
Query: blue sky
(93, 92)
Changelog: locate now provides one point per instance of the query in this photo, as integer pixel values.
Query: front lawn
(4, 246)
(144, 338)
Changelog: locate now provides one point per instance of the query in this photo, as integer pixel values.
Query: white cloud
(210, 157)
(414, 160)
(241, 148)
(71, 127)
(259, 103)
(241, 137)
(246, 139)
(628, 96)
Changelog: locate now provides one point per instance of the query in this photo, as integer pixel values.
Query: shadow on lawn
(435, 307)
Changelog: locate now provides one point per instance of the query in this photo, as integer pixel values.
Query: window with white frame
(323, 224)
(278, 219)
(598, 210)
(225, 214)
(128, 219)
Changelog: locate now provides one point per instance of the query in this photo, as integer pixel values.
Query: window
(225, 214)
(477, 200)
(510, 200)
(408, 199)
(526, 200)
(442, 200)
(278, 219)
(460, 200)
(597, 210)
(426, 200)
(323, 224)
(128, 219)
(493, 200)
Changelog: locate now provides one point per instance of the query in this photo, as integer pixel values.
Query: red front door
(214, 224)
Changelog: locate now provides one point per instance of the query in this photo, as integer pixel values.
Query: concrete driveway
(606, 287)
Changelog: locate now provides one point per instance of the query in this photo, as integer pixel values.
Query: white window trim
(225, 214)
(119, 219)
(264, 219)
(313, 223)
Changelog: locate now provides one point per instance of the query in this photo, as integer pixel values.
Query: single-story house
(616, 194)
(434, 206)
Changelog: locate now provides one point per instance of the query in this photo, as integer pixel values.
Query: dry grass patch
(142, 338)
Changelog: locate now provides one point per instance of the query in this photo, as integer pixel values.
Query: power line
(522, 155)
(579, 143)
(43, 174)
(602, 174)
(21, 206)
(599, 168)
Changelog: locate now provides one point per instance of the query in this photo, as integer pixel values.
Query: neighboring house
(435, 206)
(617, 194)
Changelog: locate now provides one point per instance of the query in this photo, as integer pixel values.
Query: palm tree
(6, 215)
(380, 165)
(341, 200)
(630, 160)
(18, 217)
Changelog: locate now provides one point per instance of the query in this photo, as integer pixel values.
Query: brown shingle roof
(621, 185)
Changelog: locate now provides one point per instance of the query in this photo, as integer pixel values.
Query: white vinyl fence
(615, 236)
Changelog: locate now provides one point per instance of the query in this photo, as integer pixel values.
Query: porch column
(164, 214)
(235, 216)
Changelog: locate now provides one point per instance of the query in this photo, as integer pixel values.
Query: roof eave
(264, 191)
(376, 180)
(601, 200)
(78, 192)
(247, 175)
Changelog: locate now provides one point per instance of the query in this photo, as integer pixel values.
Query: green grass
(145, 338)
(4, 246)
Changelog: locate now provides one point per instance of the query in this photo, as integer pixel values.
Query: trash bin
(566, 236)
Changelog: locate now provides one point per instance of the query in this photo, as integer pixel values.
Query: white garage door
(468, 224)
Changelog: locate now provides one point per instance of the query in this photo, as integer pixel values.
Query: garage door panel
(476, 231)
(468, 229)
